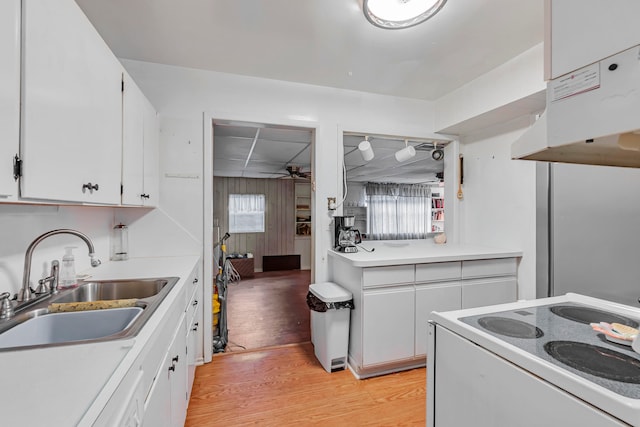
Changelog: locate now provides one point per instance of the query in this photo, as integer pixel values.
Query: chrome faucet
(25, 293)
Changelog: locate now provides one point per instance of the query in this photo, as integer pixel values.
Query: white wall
(499, 204)
(21, 224)
(151, 233)
(182, 95)
(516, 79)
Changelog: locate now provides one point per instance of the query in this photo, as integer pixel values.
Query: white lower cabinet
(388, 321)
(166, 404)
(433, 297)
(126, 406)
(156, 390)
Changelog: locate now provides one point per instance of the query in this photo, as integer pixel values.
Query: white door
(585, 31)
(132, 143)
(9, 93)
(72, 107)
(388, 325)
(151, 164)
(433, 297)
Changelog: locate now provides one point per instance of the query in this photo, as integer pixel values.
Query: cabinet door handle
(195, 327)
(144, 196)
(174, 360)
(195, 280)
(90, 187)
(194, 303)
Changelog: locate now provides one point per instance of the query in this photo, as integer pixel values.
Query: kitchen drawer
(438, 271)
(191, 284)
(392, 275)
(194, 302)
(489, 268)
(483, 292)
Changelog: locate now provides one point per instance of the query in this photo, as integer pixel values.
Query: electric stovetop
(561, 334)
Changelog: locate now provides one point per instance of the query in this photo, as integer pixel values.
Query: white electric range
(532, 363)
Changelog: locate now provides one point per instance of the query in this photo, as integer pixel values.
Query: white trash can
(330, 307)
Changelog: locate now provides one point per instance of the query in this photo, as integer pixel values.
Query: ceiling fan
(296, 172)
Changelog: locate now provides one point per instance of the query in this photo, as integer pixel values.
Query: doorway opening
(262, 197)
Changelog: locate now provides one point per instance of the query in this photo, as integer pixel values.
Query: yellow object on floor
(216, 309)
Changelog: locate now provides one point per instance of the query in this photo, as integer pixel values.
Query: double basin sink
(37, 326)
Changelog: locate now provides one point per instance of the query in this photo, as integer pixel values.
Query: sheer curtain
(398, 211)
(246, 213)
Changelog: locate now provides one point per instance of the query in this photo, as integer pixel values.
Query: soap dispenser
(68, 270)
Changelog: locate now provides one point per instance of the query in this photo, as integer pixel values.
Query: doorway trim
(208, 119)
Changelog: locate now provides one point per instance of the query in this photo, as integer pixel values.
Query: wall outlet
(331, 203)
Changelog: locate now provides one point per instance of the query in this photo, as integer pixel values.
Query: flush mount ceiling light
(366, 150)
(397, 14)
(406, 153)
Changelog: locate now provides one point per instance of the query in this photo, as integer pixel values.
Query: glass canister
(119, 243)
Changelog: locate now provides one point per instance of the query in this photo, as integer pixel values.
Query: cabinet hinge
(17, 167)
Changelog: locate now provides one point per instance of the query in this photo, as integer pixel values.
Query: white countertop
(69, 385)
(398, 252)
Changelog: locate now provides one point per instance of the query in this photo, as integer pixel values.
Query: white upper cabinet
(139, 148)
(71, 142)
(9, 93)
(132, 142)
(151, 162)
(581, 32)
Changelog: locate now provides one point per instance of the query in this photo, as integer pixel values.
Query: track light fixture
(365, 150)
(406, 153)
(437, 153)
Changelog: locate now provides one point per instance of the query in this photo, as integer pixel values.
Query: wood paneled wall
(278, 238)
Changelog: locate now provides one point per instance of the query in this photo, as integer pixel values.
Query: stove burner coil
(588, 315)
(510, 327)
(595, 360)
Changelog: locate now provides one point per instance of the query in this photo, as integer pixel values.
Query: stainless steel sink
(70, 327)
(113, 290)
(35, 327)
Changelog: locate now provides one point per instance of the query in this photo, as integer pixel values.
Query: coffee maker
(345, 237)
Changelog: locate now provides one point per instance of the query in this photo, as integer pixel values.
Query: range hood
(592, 116)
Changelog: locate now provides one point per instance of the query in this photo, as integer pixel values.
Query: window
(398, 211)
(246, 213)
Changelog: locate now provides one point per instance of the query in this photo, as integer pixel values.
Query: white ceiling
(322, 42)
(253, 150)
(319, 42)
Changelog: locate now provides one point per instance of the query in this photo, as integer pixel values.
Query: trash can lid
(330, 292)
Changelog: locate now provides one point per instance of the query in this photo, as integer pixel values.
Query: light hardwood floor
(287, 386)
(279, 382)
